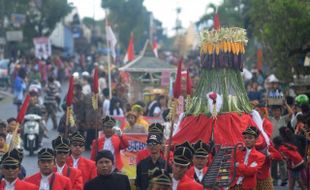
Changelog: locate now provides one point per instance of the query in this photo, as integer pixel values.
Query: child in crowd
(295, 162)
(3, 146)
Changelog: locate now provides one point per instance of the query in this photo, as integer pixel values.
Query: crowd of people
(63, 167)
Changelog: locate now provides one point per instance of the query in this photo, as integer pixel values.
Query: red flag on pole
(70, 92)
(177, 88)
(155, 47)
(189, 84)
(259, 64)
(216, 22)
(130, 55)
(23, 110)
(95, 81)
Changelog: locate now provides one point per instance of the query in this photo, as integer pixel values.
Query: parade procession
(154, 95)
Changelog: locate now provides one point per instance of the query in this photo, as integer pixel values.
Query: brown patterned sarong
(264, 184)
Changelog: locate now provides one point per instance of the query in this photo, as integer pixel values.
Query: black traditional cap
(77, 137)
(46, 154)
(20, 152)
(154, 139)
(251, 131)
(201, 149)
(11, 158)
(183, 154)
(3, 123)
(105, 154)
(160, 177)
(108, 121)
(60, 144)
(156, 128)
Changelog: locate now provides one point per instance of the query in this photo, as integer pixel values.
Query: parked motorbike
(31, 128)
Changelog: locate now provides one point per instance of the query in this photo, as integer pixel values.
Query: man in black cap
(62, 150)
(154, 145)
(182, 159)
(76, 160)
(112, 140)
(46, 179)
(248, 161)
(107, 179)
(160, 180)
(158, 129)
(200, 159)
(10, 168)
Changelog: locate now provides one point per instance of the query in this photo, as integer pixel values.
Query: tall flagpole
(108, 56)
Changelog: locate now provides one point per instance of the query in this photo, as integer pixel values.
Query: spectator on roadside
(116, 107)
(19, 88)
(86, 88)
(132, 126)
(50, 103)
(156, 107)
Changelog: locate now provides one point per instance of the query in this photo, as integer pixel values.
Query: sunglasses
(12, 167)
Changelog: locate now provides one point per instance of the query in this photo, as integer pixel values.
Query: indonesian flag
(216, 22)
(155, 47)
(177, 87)
(111, 40)
(130, 55)
(23, 110)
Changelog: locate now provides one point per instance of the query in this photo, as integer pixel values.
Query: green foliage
(128, 16)
(284, 27)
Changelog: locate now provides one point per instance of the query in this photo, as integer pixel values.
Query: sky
(163, 10)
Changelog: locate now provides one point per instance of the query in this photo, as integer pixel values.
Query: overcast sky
(163, 10)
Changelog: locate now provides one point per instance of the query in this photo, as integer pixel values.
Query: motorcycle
(30, 133)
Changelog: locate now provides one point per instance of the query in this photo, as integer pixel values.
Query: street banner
(42, 47)
(137, 142)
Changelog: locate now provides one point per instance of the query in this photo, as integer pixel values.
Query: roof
(147, 62)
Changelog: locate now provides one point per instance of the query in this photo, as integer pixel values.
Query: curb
(6, 93)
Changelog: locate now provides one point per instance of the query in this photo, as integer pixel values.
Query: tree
(284, 27)
(130, 16)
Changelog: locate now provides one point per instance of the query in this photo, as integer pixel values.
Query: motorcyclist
(36, 108)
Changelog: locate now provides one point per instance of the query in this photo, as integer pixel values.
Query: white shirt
(75, 162)
(246, 159)
(109, 146)
(86, 89)
(199, 173)
(45, 183)
(59, 169)
(106, 107)
(9, 186)
(175, 184)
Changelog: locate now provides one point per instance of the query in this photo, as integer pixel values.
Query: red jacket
(264, 172)
(60, 182)
(292, 156)
(119, 143)
(191, 173)
(142, 154)
(186, 183)
(74, 175)
(86, 166)
(250, 170)
(20, 185)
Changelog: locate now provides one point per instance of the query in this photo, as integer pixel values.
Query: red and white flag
(111, 39)
(155, 47)
(130, 55)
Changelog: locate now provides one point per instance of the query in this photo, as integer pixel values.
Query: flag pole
(108, 56)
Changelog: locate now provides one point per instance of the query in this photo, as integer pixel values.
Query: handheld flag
(23, 110)
(111, 39)
(70, 92)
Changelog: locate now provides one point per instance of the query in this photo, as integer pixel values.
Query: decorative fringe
(95, 101)
(15, 139)
(173, 109)
(70, 118)
(188, 102)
